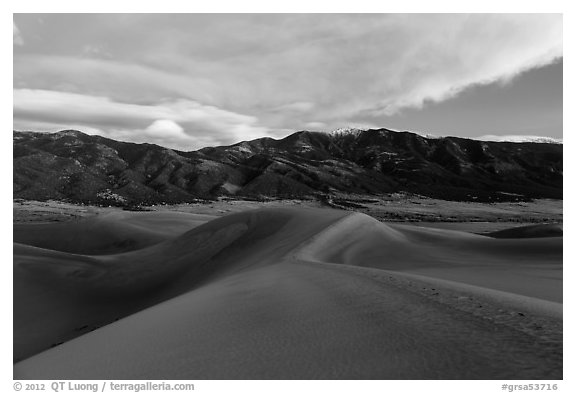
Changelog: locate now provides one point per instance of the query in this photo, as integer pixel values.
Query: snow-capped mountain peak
(346, 131)
(519, 139)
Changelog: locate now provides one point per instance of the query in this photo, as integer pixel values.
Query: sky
(188, 81)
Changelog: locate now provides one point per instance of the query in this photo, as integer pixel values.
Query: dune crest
(530, 231)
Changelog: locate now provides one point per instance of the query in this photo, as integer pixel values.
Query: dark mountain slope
(72, 165)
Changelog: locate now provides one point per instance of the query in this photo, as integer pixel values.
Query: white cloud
(17, 36)
(181, 123)
(446, 54)
(315, 126)
(168, 129)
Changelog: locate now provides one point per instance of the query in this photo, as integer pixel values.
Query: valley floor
(410, 209)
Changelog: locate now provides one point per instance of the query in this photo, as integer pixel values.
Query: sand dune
(530, 231)
(287, 293)
(108, 234)
(59, 295)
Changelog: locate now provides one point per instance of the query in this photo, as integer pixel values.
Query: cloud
(285, 70)
(165, 129)
(180, 123)
(118, 80)
(17, 36)
(299, 106)
(446, 54)
(315, 126)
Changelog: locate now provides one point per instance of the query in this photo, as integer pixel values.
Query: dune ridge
(530, 231)
(247, 295)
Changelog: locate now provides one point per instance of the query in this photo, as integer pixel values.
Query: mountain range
(70, 165)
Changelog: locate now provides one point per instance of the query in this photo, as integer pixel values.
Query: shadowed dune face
(108, 234)
(272, 293)
(73, 291)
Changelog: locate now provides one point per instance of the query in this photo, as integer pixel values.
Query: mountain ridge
(71, 165)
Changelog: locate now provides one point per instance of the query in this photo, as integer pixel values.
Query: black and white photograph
(288, 196)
